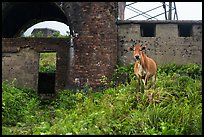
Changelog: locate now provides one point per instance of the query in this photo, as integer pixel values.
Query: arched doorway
(19, 16)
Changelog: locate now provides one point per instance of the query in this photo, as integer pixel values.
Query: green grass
(173, 108)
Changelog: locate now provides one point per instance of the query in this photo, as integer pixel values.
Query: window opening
(185, 30)
(147, 30)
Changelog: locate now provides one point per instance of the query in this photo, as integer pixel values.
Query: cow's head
(138, 49)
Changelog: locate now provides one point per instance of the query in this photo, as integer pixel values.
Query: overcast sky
(185, 11)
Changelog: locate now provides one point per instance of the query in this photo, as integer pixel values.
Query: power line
(171, 8)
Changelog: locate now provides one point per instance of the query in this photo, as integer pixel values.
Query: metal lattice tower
(169, 11)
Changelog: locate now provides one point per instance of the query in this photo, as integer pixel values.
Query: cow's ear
(143, 48)
(131, 48)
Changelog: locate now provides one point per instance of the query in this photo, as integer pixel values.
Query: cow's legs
(153, 81)
(146, 80)
(139, 84)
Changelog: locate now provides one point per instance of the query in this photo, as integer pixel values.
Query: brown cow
(145, 67)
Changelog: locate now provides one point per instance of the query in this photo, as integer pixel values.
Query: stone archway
(19, 16)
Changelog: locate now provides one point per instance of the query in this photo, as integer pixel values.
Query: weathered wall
(95, 47)
(20, 59)
(166, 46)
(23, 66)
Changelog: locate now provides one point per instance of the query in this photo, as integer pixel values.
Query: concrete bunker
(178, 42)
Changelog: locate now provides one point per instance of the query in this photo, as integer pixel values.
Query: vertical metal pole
(164, 6)
(170, 11)
(175, 11)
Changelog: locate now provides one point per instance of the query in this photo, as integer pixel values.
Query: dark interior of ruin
(148, 29)
(185, 30)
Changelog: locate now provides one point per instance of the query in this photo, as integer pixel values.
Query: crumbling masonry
(100, 42)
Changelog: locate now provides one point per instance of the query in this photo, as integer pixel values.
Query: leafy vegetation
(47, 62)
(173, 108)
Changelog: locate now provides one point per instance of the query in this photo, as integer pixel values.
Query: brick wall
(94, 53)
(95, 47)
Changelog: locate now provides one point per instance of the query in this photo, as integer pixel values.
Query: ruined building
(99, 42)
(45, 32)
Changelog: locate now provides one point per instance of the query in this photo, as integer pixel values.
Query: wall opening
(185, 30)
(47, 72)
(147, 30)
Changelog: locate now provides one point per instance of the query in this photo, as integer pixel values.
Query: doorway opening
(47, 73)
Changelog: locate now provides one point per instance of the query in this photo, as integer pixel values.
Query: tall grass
(173, 108)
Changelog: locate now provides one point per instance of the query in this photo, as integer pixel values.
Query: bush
(123, 74)
(191, 70)
(17, 103)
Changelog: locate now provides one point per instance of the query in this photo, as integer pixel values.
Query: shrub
(123, 74)
(17, 103)
(191, 70)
